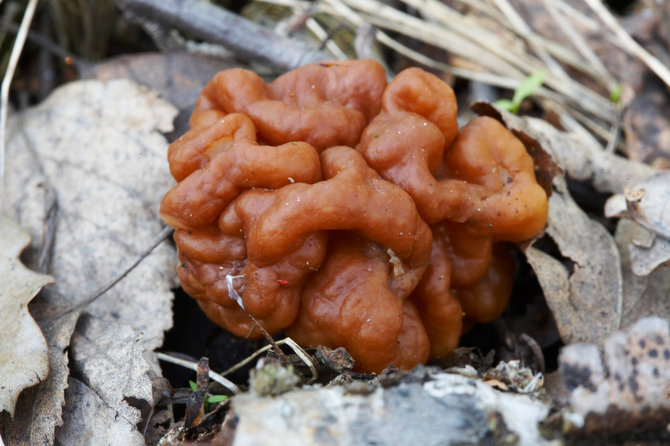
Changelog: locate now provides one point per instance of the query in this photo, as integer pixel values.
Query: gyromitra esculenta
(348, 212)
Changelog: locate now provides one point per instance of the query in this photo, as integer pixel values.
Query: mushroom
(348, 212)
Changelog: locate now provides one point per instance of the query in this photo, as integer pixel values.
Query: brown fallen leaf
(23, 350)
(586, 302)
(96, 147)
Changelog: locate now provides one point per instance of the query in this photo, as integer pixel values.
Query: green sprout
(209, 399)
(525, 89)
(615, 95)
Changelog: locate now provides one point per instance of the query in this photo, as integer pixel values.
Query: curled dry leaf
(96, 147)
(584, 290)
(646, 204)
(586, 303)
(23, 350)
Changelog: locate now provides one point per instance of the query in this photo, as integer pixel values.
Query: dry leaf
(586, 303)
(38, 410)
(96, 147)
(646, 204)
(88, 423)
(23, 350)
(111, 358)
(643, 295)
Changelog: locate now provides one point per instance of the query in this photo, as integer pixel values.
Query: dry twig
(211, 23)
(102, 290)
(194, 366)
(7, 80)
(302, 354)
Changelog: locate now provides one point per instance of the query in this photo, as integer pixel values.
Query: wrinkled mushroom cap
(348, 212)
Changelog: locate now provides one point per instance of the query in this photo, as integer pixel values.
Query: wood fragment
(205, 20)
(14, 56)
(196, 402)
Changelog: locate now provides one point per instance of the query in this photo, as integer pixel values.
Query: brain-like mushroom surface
(324, 104)
(348, 212)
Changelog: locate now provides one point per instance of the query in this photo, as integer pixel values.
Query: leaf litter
(95, 147)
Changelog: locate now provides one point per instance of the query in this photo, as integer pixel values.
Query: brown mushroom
(278, 217)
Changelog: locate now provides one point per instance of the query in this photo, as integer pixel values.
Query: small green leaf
(192, 385)
(525, 89)
(528, 86)
(216, 398)
(615, 95)
(506, 104)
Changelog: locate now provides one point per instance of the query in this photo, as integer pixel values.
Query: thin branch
(89, 300)
(209, 22)
(46, 43)
(194, 366)
(299, 351)
(7, 80)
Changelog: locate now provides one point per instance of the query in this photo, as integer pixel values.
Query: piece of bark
(626, 389)
(435, 409)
